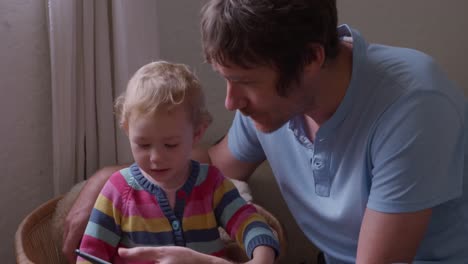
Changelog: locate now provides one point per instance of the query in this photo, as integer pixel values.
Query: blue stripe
(201, 235)
(256, 224)
(227, 199)
(262, 240)
(230, 210)
(207, 247)
(105, 221)
(151, 238)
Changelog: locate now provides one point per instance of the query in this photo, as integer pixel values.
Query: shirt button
(175, 225)
(318, 164)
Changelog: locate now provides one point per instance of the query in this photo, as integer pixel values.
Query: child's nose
(155, 156)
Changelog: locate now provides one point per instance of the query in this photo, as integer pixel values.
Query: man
(366, 141)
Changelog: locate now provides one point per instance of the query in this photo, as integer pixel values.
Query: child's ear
(199, 132)
(124, 128)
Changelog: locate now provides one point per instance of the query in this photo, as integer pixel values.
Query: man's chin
(266, 128)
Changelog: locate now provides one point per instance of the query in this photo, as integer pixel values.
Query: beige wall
(25, 114)
(434, 26)
(181, 42)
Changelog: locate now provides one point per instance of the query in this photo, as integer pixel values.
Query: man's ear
(316, 57)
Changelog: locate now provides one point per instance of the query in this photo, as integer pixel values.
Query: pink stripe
(97, 248)
(201, 197)
(142, 203)
(239, 217)
(138, 202)
(144, 210)
(213, 180)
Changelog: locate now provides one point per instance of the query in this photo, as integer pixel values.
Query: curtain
(95, 47)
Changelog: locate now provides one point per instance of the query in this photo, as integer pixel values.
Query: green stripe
(102, 233)
(207, 247)
(202, 174)
(256, 231)
(231, 209)
(127, 174)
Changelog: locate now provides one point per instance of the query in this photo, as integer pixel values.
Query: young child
(165, 198)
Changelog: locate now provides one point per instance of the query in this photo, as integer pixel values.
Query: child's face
(161, 145)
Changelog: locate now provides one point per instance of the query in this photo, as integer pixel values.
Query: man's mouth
(245, 112)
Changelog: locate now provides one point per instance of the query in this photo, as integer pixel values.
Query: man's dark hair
(275, 33)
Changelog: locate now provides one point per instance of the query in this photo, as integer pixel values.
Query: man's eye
(240, 82)
(170, 145)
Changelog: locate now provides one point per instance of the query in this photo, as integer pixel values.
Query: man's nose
(234, 98)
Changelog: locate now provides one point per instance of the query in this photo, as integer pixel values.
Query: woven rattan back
(34, 242)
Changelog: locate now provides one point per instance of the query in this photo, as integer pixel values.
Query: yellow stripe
(225, 187)
(138, 223)
(106, 206)
(200, 222)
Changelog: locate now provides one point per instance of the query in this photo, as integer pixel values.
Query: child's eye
(144, 146)
(170, 145)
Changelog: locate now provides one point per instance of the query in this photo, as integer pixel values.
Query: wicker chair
(36, 236)
(33, 239)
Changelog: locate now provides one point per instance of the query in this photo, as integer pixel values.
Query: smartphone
(91, 258)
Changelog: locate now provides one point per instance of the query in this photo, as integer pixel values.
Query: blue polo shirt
(395, 144)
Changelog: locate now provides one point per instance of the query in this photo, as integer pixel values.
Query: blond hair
(159, 85)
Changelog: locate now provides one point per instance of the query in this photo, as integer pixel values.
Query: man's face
(253, 92)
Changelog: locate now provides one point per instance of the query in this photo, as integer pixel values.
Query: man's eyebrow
(232, 78)
(235, 78)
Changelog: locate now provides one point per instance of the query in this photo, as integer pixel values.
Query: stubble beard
(271, 125)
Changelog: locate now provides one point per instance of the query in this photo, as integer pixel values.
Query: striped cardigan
(132, 211)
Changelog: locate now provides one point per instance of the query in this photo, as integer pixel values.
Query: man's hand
(74, 227)
(77, 219)
(168, 255)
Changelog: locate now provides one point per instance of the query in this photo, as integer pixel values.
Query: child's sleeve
(103, 232)
(240, 219)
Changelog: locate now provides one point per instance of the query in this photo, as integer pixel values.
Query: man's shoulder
(401, 73)
(401, 60)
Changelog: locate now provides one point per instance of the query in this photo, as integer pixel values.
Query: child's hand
(263, 255)
(167, 255)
